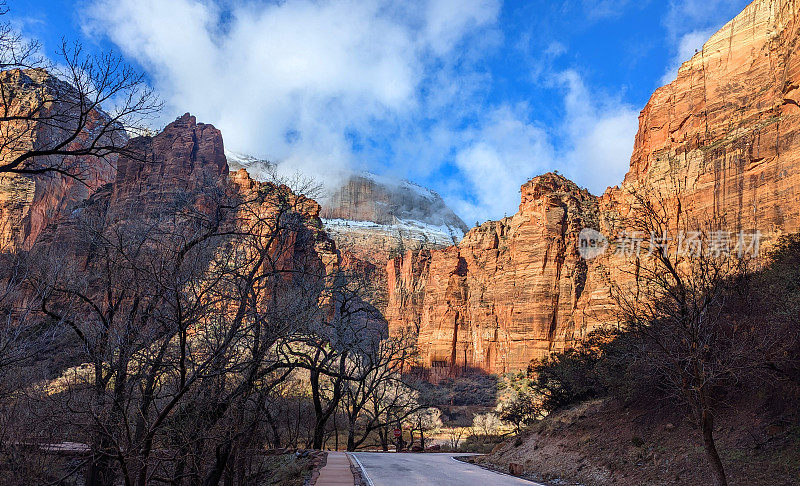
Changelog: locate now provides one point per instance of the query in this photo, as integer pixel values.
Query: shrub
(486, 424)
(521, 410)
(563, 379)
(481, 443)
(471, 388)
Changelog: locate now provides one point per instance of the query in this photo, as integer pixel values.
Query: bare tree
(15, 50)
(681, 267)
(380, 397)
(52, 119)
(334, 347)
(425, 420)
(177, 300)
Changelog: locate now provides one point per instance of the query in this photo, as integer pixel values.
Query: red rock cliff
(28, 203)
(508, 292)
(175, 171)
(728, 126)
(724, 133)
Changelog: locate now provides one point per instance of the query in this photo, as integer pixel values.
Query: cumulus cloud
(498, 157)
(601, 129)
(325, 86)
(592, 147)
(293, 80)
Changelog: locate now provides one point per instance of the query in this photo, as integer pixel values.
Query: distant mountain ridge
(373, 216)
(369, 197)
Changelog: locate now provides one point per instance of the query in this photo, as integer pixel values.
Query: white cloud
(447, 20)
(593, 148)
(688, 45)
(555, 49)
(505, 151)
(601, 154)
(294, 80)
(290, 80)
(601, 130)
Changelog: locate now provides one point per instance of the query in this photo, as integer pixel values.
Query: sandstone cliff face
(28, 203)
(727, 127)
(177, 175)
(185, 156)
(724, 135)
(508, 292)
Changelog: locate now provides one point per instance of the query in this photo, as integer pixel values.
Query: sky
(470, 98)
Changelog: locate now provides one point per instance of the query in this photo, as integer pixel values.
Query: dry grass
(602, 442)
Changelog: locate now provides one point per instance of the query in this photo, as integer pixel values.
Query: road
(393, 469)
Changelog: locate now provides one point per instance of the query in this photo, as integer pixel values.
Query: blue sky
(469, 98)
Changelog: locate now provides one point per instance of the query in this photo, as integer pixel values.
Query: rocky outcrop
(723, 135)
(727, 129)
(28, 202)
(180, 178)
(184, 157)
(381, 200)
(508, 292)
(372, 217)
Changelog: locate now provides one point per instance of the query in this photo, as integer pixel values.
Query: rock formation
(175, 177)
(371, 217)
(723, 135)
(28, 203)
(508, 292)
(728, 125)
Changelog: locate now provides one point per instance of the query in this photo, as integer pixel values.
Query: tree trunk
(351, 439)
(100, 472)
(711, 449)
(222, 453)
(319, 435)
(382, 433)
(335, 432)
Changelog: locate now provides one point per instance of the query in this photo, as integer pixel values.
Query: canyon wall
(510, 291)
(176, 177)
(723, 135)
(29, 202)
(726, 130)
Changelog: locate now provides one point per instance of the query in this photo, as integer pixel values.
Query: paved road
(392, 469)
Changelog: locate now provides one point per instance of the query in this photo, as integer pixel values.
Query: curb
(364, 475)
(455, 458)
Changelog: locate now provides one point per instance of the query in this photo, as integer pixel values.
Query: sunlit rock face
(28, 202)
(728, 125)
(184, 157)
(724, 134)
(508, 292)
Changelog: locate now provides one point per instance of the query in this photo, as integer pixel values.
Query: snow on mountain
(377, 209)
